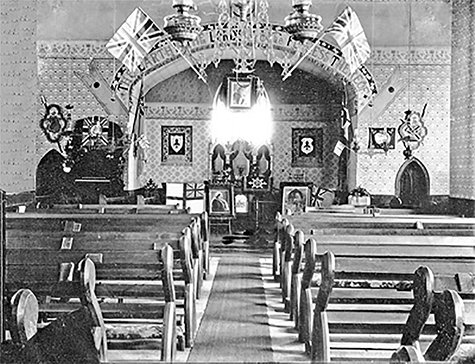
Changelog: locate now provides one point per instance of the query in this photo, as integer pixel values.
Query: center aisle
(235, 325)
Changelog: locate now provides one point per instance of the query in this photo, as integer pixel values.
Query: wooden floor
(240, 313)
(244, 320)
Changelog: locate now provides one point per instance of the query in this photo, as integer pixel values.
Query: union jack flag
(186, 195)
(350, 37)
(134, 39)
(318, 196)
(194, 191)
(95, 131)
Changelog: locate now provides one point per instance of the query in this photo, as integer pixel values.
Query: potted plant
(359, 197)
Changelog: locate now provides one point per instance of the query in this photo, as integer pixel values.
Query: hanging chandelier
(302, 25)
(183, 27)
(243, 26)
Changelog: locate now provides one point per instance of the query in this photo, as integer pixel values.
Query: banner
(350, 37)
(134, 39)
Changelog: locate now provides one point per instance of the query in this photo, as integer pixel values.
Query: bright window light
(253, 125)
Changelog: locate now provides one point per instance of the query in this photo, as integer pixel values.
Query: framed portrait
(239, 93)
(307, 147)
(177, 145)
(295, 198)
(220, 200)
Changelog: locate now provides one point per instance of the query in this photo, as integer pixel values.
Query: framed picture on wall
(220, 200)
(177, 145)
(295, 197)
(307, 147)
(239, 93)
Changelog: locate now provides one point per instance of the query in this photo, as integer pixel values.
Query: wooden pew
(360, 304)
(344, 225)
(449, 256)
(454, 315)
(133, 286)
(371, 231)
(458, 246)
(383, 224)
(167, 225)
(115, 209)
(50, 334)
(117, 241)
(281, 224)
(77, 334)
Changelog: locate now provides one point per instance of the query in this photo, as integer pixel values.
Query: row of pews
(386, 288)
(136, 278)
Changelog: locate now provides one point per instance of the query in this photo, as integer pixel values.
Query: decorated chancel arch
(165, 61)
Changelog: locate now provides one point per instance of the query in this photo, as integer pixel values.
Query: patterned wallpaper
(302, 90)
(18, 95)
(59, 83)
(426, 80)
(286, 117)
(462, 171)
(429, 74)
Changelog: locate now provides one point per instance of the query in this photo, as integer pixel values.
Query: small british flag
(319, 195)
(194, 191)
(95, 131)
(134, 39)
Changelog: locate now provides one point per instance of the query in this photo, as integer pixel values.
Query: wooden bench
(354, 305)
(451, 224)
(448, 255)
(139, 208)
(77, 334)
(117, 243)
(135, 289)
(163, 225)
(281, 224)
(58, 341)
(340, 231)
(284, 247)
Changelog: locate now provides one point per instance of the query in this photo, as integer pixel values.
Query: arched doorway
(53, 184)
(412, 184)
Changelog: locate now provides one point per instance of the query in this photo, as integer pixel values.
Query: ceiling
(386, 22)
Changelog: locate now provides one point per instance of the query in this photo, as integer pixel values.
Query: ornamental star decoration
(257, 183)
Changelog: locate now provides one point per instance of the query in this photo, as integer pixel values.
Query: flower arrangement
(359, 192)
(359, 197)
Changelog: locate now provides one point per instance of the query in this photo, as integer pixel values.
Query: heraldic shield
(177, 143)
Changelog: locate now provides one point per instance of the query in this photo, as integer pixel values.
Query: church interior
(294, 179)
